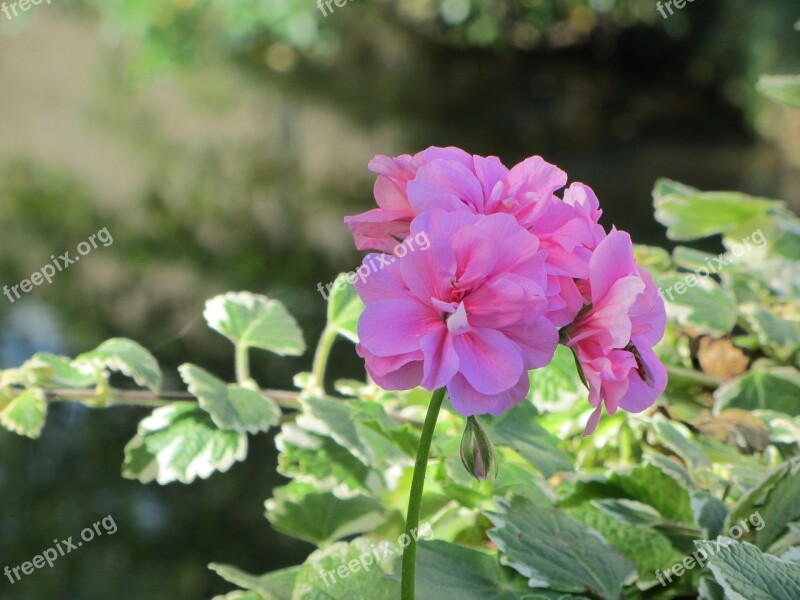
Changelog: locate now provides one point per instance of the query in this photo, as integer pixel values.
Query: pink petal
(640, 395)
(538, 175)
(537, 340)
(391, 327)
(468, 401)
(441, 360)
(591, 425)
(489, 361)
(446, 185)
(611, 261)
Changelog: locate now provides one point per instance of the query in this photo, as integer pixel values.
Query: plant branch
(693, 376)
(147, 398)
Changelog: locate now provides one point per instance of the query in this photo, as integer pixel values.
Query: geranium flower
(449, 179)
(384, 227)
(468, 313)
(614, 335)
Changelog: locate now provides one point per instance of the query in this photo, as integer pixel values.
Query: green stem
(243, 366)
(284, 398)
(321, 357)
(693, 376)
(415, 497)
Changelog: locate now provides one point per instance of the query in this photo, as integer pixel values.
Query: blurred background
(221, 143)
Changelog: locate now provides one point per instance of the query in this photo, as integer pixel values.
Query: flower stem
(321, 357)
(415, 498)
(692, 376)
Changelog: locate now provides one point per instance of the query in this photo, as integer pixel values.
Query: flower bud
(477, 451)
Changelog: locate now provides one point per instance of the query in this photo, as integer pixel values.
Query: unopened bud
(477, 451)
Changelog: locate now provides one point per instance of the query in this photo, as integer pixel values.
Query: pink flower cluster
(512, 269)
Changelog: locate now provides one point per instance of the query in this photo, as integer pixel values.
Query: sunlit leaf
(775, 389)
(255, 321)
(344, 308)
(181, 443)
(352, 571)
(277, 585)
(127, 357)
(231, 406)
(26, 413)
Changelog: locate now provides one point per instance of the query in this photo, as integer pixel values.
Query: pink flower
(449, 179)
(384, 227)
(467, 313)
(614, 336)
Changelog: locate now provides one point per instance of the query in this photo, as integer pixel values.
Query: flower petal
(488, 360)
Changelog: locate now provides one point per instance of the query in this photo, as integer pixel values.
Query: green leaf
(363, 428)
(26, 413)
(690, 214)
(348, 572)
(774, 501)
(748, 574)
(780, 337)
(238, 595)
(648, 548)
(447, 571)
(320, 461)
(304, 512)
(782, 88)
(646, 483)
(652, 258)
(704, 306)
(50, 370)
(181, 443)
(709, 589)
(709, 513)
(629, 512)
(557, 387)
(277, 585)
(344, 308)
(557, 552)
(775, 389)
(517, 428)
(231, 407)
(680, 440)
(255, 321)
(127, 357)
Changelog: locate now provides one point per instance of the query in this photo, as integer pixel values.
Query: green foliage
(452, 572)
(567, 517)
(181, 443)
(231, 407)
(26, 413)
(556, 552)
(126, 357)
(734, 566)
(253, 321)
